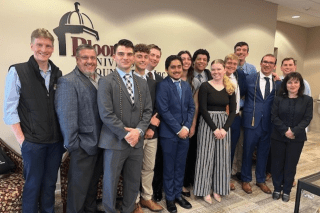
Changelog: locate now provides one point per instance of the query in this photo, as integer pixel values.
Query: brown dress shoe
(137, 208)
(150, 204)
(264, 188)
(232, 187)
(268, 176)
(246, 187)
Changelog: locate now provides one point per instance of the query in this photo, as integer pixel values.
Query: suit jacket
(152, 85)
(158, 77)
(117, 111)
(77, 110)
(283, 118)
(208, 73)
(262, 106)
(241, 79)
(174, 112)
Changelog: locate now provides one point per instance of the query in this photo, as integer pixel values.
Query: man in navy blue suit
(256, 120)
(176, 108)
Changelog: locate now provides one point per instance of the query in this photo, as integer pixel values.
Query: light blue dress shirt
(122, 74)
(248, 68)
(12, 94)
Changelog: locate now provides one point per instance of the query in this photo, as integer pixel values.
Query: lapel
(258, 86)
(136, 90)
(119, 80)
(174, 89)
(85, 79)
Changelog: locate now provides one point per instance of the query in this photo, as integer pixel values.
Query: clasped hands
(220, 133)
(289, 134)
(133, 136)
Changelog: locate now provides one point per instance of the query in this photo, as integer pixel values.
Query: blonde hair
(228, 85)
(43, 33)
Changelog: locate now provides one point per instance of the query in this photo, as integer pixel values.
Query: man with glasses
(80, 123)
(259, 94)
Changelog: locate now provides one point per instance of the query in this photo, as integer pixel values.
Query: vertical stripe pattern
(213, 165)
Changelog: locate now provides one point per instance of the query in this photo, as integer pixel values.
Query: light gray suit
(78, 114)
(116, 112)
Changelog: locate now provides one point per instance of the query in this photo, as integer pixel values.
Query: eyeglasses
(86, 58)
(268, 62)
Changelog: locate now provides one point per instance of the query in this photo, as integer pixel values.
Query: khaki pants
(237, 161)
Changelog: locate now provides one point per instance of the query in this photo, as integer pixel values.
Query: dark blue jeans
(40, 168)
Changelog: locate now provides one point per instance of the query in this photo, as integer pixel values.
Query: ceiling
(308, 10)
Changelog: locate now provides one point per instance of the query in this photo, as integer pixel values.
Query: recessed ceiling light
(295, 16)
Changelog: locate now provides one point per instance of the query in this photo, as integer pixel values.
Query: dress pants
(252, 138)
(285, 157)
(157, 182)
(174, 161)
(41, 163)
(235, 135)
(83, 177)
(149, 156)
(129, 162)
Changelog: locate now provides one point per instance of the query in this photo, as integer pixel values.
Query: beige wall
(173, 25)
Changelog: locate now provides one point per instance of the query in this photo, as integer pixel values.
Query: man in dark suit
(154, 58)
(77, 110)
(125, 109)
(256, 120)
(238, 78)
(176, 108)
(200, 60)
(141, 59)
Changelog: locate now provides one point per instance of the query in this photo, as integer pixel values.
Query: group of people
(159, 134)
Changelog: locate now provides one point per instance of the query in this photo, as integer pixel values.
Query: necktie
(129, 86)
(177, 83)
(267, 89)
(150, 75)
(199, 76)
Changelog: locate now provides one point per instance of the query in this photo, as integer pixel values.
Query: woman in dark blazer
(291, 114)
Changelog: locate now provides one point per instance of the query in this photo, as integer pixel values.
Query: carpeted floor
(258, 202)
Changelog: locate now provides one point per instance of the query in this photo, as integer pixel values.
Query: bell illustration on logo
(65, 27)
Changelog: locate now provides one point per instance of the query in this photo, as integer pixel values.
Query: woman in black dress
(291, 114)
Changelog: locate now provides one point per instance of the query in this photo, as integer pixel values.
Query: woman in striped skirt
(213, 166)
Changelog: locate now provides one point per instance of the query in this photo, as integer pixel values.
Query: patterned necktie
(267, 90)
(129, 86)
(199, 76)
(177, 83)
(150, 75)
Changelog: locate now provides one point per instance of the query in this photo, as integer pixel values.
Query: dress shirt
(263, 83)
(307, 89)
(141, 76)
(237, 91)
(152, 72)
(93, 81)
(12, 94)
(247, 68)
(122, 74)
(203, 74)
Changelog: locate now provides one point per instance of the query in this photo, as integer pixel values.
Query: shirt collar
(122, 73)
(173, 80)
(49, 69)
(141, 76)
(262, 75)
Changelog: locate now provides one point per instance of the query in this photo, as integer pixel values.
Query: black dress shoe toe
(285, 197)
(238, 175)
(183, 203)
(276, 195)
(171, 207)
(186, 194)
(157, 196)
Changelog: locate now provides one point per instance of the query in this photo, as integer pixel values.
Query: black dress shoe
(276, 195)
(285, 197)
(171, 207)
(186, 194)
(157, 196)
(183, 203)
(238, 175)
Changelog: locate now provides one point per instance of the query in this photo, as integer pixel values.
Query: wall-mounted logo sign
(104, 52)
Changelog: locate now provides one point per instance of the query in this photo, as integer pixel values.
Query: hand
(223, 133)
(183, 134)
(275, 76)
(192, 131)
(149, 134)
(154, 120)
(289, 134)
(218, 134)
(20, 140)
(133, 137)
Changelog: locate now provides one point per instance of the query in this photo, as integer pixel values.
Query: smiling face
(124, 58)
(242, 52)
(87, 61)
(186, 60)
(231, 66)
(268, 64)
(141, 60)
(42, 49)
(201, 62)
(217, 72)
(154, 58)
(293, 86)
(288, 66)
(175, 69)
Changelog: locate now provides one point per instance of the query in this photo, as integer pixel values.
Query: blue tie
(267, 90)
(177, 83)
